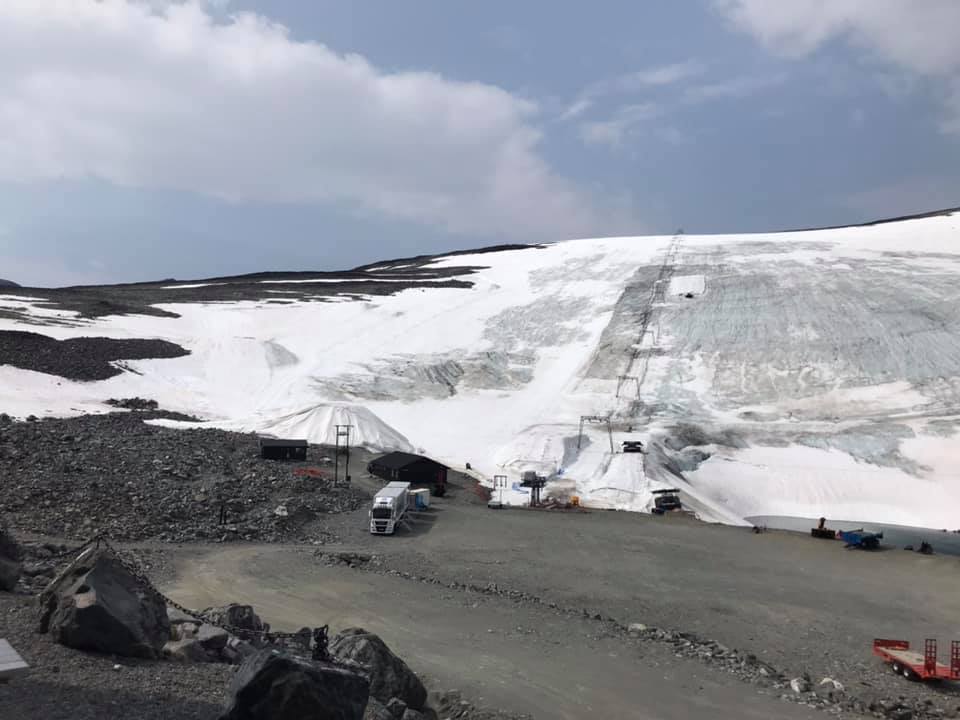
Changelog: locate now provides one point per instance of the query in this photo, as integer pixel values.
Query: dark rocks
(376, 710)
(134, 403)
(214, 643)
(234, 616)
(11, 560)
(133, 481)
(389, 675)
(237, 651)
(85, 358)
(212, 638)
(396, 707)
(96, 604)
(273, 685)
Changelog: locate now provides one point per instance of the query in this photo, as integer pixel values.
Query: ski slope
(804, 374)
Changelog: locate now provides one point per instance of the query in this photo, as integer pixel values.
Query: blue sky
(146, 140)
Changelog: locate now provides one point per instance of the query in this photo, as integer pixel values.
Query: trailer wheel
(896, 668)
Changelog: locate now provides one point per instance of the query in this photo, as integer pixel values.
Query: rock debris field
(83, 358)
(118, 475)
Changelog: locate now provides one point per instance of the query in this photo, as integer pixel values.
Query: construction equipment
(861, 539)
(822, 531)
(666, 500)
(914, 666)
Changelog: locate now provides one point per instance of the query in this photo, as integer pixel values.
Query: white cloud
(642, 79)
(654, 77)
(918, 36)
(165, 96)
(733, 88)
(577, 109)
(614, 131)
(632, 82)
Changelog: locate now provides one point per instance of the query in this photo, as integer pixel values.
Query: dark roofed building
(277, 449)
(414, 469)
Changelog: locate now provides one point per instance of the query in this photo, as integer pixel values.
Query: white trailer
(389, 507)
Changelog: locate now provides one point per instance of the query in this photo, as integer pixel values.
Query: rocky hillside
(114, 473)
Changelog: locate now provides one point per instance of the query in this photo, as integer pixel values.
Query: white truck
(389, 507)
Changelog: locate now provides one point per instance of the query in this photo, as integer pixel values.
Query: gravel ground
(72, 685)
(798, 606)
(113, 473)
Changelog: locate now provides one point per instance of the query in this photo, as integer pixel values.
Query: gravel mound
(114, 473)
(85, 358)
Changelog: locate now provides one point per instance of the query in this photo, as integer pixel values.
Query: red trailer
(914, 666)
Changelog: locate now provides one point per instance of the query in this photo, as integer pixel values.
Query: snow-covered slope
(811, 373)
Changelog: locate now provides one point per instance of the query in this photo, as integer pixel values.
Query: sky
(154, 139)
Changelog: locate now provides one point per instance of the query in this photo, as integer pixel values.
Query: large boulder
(389, 675)
(212, 638)
(273, 685)
(11, 560)
(96, 604)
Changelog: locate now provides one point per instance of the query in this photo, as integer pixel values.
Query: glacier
(797, 374)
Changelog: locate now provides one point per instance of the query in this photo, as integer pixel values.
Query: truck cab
(389, 507)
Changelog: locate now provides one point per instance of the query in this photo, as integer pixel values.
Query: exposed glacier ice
(812, 373)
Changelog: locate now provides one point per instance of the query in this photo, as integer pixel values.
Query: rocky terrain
(84, 358)
(118, 475)
(383, 278)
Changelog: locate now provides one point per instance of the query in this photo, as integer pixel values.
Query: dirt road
(799, 604)
(504, 655)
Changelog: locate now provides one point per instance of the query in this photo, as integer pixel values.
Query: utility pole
(342, 431)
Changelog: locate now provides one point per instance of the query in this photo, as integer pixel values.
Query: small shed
(277, 449)
(414, 469)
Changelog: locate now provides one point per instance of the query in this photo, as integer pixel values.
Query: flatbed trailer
(914, 666)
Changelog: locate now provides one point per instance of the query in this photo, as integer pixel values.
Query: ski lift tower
(624, 381)
(601, 419)
(536, 484)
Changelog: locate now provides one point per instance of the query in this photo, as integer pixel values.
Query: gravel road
(503, 604)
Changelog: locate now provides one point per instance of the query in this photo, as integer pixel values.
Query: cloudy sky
(146, 139)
